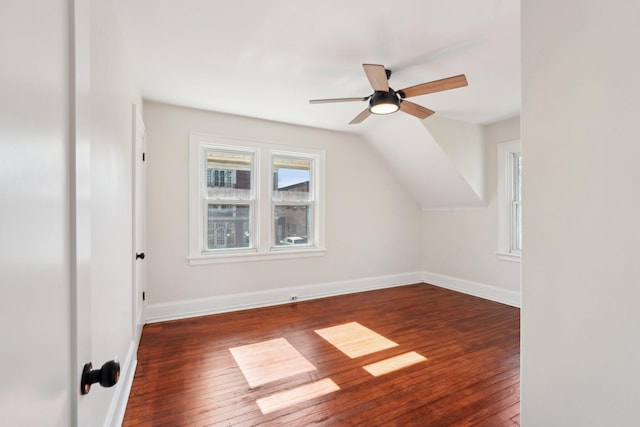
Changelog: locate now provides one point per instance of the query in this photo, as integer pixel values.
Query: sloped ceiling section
(429, 173)
(266, 59)
(463, 144)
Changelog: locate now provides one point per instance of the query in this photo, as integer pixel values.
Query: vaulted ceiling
(266, 59)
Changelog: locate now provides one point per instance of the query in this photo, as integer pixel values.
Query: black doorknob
(140, 255)
(107, 375)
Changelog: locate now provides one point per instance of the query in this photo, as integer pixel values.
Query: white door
(43, 246)
(139, 208)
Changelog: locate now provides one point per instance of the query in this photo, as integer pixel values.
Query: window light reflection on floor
(270, 361)
(394, 363)
(296, 395)
(355, 340)
(274, 360)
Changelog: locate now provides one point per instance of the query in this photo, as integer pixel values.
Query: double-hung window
(228, 199)
(252, 200)
(293, 200)
(515, 238)
(509, 195)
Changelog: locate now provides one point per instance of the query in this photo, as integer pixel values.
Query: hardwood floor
(190, 372)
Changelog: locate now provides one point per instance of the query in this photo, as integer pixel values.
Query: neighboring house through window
(228, 198)
(293, 199)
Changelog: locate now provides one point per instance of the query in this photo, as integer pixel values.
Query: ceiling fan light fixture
(384, 102)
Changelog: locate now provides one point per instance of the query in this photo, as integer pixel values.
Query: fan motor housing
(382, 102)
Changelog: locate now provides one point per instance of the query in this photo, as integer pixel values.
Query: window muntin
(292, 201)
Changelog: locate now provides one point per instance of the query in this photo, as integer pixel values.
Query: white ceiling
(266, 59)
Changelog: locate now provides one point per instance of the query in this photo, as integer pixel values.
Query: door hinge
(144, 296)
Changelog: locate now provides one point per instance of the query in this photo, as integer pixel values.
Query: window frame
(515, 199)
(311, 203)
(507, 223)
(208, 200)
(261, 224)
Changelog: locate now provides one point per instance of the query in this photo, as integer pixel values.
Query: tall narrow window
(516, 202)
(293, 200)
(228, 200)
(509, 201)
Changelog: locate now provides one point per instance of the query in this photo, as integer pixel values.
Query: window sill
(506, 256)
(255, 256)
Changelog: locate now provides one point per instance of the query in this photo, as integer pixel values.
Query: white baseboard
(226, 303)
(234, 302)
(482, 290)
(118, 406)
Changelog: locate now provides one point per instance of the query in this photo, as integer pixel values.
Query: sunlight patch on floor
(355, 340)
(296, 395)
(394, 363)
(274, 360)
(270, 361)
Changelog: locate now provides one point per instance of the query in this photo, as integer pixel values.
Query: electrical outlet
(294, 297)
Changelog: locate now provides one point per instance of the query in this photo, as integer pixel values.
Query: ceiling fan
(385, 100)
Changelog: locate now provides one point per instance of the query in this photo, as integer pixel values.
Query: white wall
(113, 92)
(372, 224)
(35, 328)
(459, 245)
(581, 259)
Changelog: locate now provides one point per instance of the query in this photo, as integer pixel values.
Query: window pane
(517, 176)
(228, 226)
(516, 211)
(292, 224)
(228, 175)
(291, 179)
(517, 238)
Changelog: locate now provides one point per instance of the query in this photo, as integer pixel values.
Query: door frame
(81, 317)
(139, 242)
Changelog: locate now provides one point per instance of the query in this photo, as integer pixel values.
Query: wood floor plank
(187, 375)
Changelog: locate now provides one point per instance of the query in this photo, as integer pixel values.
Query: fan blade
(434, 86)
(360, 117)
(377, 76)
(415, 110)
(321, 101)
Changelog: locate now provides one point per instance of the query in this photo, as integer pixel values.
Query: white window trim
(504, 191)
(202, 205)
(314, 191)
(262, 247)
